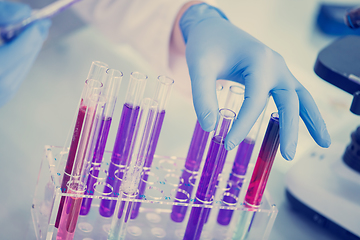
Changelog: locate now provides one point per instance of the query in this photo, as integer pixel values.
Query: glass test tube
(123, 139)
(238, 172)
(92, 86)
(77, 183)
(112, 81)
(234, 101)
(192, 164)
(213, 165)
(141, 143)
(260, 176)
(162, 94)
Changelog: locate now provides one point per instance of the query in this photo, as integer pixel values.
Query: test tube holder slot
(153, 221)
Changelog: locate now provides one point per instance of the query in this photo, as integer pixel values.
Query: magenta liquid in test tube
(134, 168)
(260, 176)
(124, 136)
(213, 165)
(112, 81)
(77, 183)
(192, 164)
(93, 85)
(162, 93)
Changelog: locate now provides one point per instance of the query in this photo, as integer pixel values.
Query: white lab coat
(146, 25)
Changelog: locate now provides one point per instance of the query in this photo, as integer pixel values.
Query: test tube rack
(153, 221)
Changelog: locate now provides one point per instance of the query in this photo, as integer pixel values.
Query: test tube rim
(234, 88)
(144, 76)
(275, 116)
(227, 116)
(165, 80)
(91, 80)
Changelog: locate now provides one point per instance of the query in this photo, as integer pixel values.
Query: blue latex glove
(17, 56)
(216, 49)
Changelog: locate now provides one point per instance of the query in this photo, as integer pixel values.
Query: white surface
(42, 111)
(323, 182)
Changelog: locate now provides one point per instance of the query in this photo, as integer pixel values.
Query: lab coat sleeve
(145, 24)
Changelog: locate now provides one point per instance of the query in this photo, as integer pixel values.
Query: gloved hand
(216, 49)
(18, 55)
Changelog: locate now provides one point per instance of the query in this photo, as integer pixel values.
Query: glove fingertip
(288, 152)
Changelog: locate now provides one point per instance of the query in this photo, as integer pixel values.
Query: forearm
(177, 41)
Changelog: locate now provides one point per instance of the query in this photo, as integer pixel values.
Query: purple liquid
(119, 157)
(215, 161)
(178, 212)
(236, 178)
(196, 149)
(71, 158)
(192, 164)
(149, 158)
(97, 158)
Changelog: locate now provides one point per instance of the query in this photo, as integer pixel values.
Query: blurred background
(43, 109)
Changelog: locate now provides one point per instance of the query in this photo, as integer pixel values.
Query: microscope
(324, 185)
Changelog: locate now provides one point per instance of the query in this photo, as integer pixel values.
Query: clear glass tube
(259, 177)
(264, 163)
(162, 93)
(238, 172)
(112, 81)
(192, 164)
(124, 136)
(77, 179)
(134, 165)
(85, 111)
(234, 101)
(214, 163)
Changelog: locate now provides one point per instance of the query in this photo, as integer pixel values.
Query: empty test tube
(134, 165)
(162, 93)
(192, 165)
(93, 86)
(112, 82)
(213, 165)
(259, 177)
(123, 139)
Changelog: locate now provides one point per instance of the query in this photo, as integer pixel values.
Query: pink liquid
(263, 164)
(215, 161)
(149, 158)
(97, 158)
(69, 218)
(71, 158)
(119, 157)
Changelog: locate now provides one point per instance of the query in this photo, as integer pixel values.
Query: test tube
(259, 177)
(123, 139)
(112, 82)
(141, 144)
(162, 94)
(214, 163)
(192, 164)
(234, 101)
(238, 172)
(92, 86)
(77, 183)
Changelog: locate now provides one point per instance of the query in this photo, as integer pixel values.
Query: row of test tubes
(135, 144)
